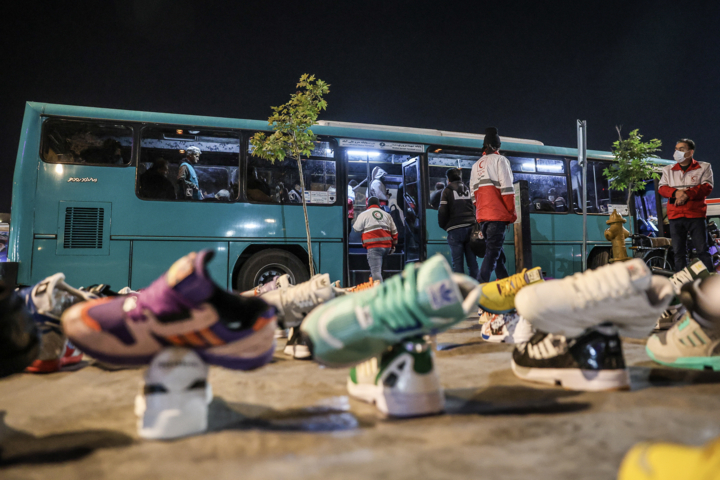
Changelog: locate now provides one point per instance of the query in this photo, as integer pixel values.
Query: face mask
(679, 156)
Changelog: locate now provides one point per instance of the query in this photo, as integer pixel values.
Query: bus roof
(327, 128)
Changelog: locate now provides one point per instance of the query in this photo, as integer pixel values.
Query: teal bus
(96, 196)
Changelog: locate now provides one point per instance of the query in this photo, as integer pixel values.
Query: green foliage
(633, 166)
(292, 122)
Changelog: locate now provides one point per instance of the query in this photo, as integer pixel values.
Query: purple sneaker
(181, 308)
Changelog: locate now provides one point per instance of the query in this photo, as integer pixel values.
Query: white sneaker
(293, 302)
(689, 274)
(507, 328)
(402, 382)
(296, 346)
(624, 293)
(175, 395)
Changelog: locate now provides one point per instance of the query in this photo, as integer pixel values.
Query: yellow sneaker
(668, 461)
(499, 296)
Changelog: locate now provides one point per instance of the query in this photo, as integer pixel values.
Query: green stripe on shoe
(690, 363)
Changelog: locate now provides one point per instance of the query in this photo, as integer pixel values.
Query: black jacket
(456, 207)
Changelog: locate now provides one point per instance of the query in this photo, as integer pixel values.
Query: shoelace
(165, 299)
(304, 294)
(395, 303)
(513, 283)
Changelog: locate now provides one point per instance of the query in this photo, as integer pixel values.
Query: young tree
(293, 137)
(633, 165)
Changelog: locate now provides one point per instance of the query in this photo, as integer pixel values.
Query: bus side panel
(20, 245)
(80, 271)
(331, 260)
(152, 258)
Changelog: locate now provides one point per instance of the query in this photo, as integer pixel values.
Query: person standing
(491, 185)
(379, 235)
(187, 180)
(378, 188)
(435, 196)
(456, 216)
(686, 185)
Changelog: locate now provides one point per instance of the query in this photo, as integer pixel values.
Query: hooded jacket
(456, 207)
(377, 187)
(491, 184)
(377, 227)
(697, 181)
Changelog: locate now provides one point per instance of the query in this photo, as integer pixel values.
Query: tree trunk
(311, 264)
(629, 196)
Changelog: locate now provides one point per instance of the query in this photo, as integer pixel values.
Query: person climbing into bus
(491, 185)
(379, 235)
(377, 187)
(187, 180)
(686, 185)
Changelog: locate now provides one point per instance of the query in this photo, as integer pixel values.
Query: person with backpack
(456, 216)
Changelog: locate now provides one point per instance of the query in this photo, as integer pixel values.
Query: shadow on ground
(510, 400)
(648, 374)
(18, 447)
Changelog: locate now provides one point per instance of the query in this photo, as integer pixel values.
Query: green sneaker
(424, 299)
(402, 382)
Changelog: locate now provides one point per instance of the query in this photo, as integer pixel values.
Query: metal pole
(582, 161)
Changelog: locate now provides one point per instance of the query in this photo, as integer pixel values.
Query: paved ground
(293, 419)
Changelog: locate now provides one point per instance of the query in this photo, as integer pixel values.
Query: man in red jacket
(686, 185)
(491, 185)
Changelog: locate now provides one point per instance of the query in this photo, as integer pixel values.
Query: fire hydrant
(617, 234)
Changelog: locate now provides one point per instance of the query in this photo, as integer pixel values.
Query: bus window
(599, 195)
(179, 163)
(279, 182)
(646, 210)
(546, 180)
(86, 142)
(439, 163)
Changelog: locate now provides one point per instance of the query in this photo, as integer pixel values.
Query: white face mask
(679, 156)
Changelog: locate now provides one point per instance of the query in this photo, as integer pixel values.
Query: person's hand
(392, 250)
(681, 197)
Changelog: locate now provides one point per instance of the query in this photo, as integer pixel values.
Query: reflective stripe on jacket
(491, 183)
(377, 228)
(697, 181)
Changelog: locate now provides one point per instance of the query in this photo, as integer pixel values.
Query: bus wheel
(266, 264)
(598, 259)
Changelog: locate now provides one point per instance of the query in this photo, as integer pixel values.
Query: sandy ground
(293, 419)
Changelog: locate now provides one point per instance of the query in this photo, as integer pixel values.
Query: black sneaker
(593, 361)
(297, 346)
(19, 335)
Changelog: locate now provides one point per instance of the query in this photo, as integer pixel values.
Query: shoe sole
(575, 378)
(298, 352)
(397, 404)
(44, 366)
(689, 363)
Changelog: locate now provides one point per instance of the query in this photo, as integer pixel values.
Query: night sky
(529, 68)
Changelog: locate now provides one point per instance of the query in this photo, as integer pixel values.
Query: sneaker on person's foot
(296, 346)
(19, 333)
(174, 397)
(46, 301)
(507, 328)
(294, 302)
(182, 308)
(624, 293)
(426, 298)
(593, 361)
(402, 382)
(499, 296)
(694, 341)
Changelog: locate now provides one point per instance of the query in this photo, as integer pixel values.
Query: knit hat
(491, 138)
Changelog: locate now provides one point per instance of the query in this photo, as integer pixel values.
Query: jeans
(459, 241)
(375, 258)
(679, 229)
(494, 233)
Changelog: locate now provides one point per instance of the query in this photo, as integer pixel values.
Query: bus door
(414, 221)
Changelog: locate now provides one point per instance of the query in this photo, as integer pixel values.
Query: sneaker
(670, 317)
(282, 281)
(46, 301)
(174, 397)
(485, 317)
(19, 334)
(403, 382)
(499, 296)
(689, 274)
(669, 461)
(625, 293)
(425, 299)
(182, 308)
(694, 341)
(593, 361)
(363, 286)
(293, 302)
(296, 346)
(507, 328)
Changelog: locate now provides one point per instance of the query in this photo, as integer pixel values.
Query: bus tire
(263, 265)
(599, 259)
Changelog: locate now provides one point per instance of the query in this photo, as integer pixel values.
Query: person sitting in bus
(257, 189)
(435, 196)
(154, 183)
(187, 180)
(295, 195)
(281, 193)
(559, 203)
(378, 188)
(379, 235)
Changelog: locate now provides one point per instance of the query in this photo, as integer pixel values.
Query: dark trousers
(494, 233)
(679, 229)
(459, 241)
